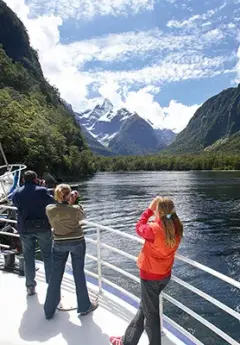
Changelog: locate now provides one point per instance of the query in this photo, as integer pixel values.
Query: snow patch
(106, 139)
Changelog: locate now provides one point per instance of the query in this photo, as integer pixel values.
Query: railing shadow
(34, 327)
(107, 303)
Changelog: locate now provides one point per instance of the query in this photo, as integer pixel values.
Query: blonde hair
(172, 225)
(61, 191)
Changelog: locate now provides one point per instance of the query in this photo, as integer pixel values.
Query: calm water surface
(208, 204)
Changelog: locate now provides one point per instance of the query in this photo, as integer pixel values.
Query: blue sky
(161, 58)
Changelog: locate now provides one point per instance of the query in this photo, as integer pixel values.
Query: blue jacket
(31, 201)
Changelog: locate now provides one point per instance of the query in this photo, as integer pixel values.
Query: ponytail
(172, 225)
(173, 228)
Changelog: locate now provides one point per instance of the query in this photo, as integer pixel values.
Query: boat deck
(23, 321)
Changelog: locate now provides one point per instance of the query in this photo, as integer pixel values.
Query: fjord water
(208, 203)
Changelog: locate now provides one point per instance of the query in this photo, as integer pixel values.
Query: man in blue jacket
(31, 201)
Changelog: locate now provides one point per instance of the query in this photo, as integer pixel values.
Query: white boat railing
(7, 178)
(164, 296)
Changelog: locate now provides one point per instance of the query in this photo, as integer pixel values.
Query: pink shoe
(116, 340)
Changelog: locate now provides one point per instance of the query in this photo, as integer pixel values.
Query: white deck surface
(22, 319)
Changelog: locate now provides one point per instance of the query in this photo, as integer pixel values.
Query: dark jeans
(148, 315)
(61, 250)
(29, 245)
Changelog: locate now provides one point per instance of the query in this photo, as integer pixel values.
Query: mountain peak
(123, 131)
(107, 105)
(101, 110)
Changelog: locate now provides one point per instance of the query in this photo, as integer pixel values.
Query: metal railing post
(4, 158)
(99, 260)
(161, 314)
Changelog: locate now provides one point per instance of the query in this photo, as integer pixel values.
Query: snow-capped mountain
(104, 121)
(100, 111)
(94, 145)
(117, 128)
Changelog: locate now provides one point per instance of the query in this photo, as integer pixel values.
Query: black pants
(148, 315)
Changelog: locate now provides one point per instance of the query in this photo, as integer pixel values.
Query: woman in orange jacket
(162, 239)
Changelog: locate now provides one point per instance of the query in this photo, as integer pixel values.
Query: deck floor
(22, 319)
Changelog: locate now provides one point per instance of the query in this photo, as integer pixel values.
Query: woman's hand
(153, 205)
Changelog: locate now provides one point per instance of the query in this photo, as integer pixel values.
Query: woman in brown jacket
(64, 218)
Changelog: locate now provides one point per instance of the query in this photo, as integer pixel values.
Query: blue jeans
(61, 250)
(29, 245)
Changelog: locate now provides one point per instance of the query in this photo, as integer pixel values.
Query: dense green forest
(214, 126)
(204, 161)
(36, 128)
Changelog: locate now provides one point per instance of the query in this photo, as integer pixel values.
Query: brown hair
(30, 176)
(61, 192)
(172, 225)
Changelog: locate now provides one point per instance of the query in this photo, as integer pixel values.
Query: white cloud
(192, 21)
(63, 65)
(110, 90)
(87, 9)
(152, 89)
(214, 35)
(168, 70)
(43, 31)
(237, 80)
(126, 46)
(143, 103)
(179, 57)
(176, 116)
(19, 7)
(211, 20)
(57, 64)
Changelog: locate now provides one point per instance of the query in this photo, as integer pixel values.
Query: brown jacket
(64, 220)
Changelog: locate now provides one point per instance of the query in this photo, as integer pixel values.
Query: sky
(160, 58)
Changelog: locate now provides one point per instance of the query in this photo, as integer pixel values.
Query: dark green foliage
(218, 118)
(36, 128)
(204, 161)
(230, 144)
(14, 75)
(15, 40)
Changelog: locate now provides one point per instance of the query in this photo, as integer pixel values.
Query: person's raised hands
(154, 203)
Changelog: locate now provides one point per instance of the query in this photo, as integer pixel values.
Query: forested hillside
(214, 126)
(36, 127)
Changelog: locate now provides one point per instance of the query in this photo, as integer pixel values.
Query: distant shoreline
(152, 171)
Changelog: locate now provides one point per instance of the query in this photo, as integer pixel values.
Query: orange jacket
(156, 257)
